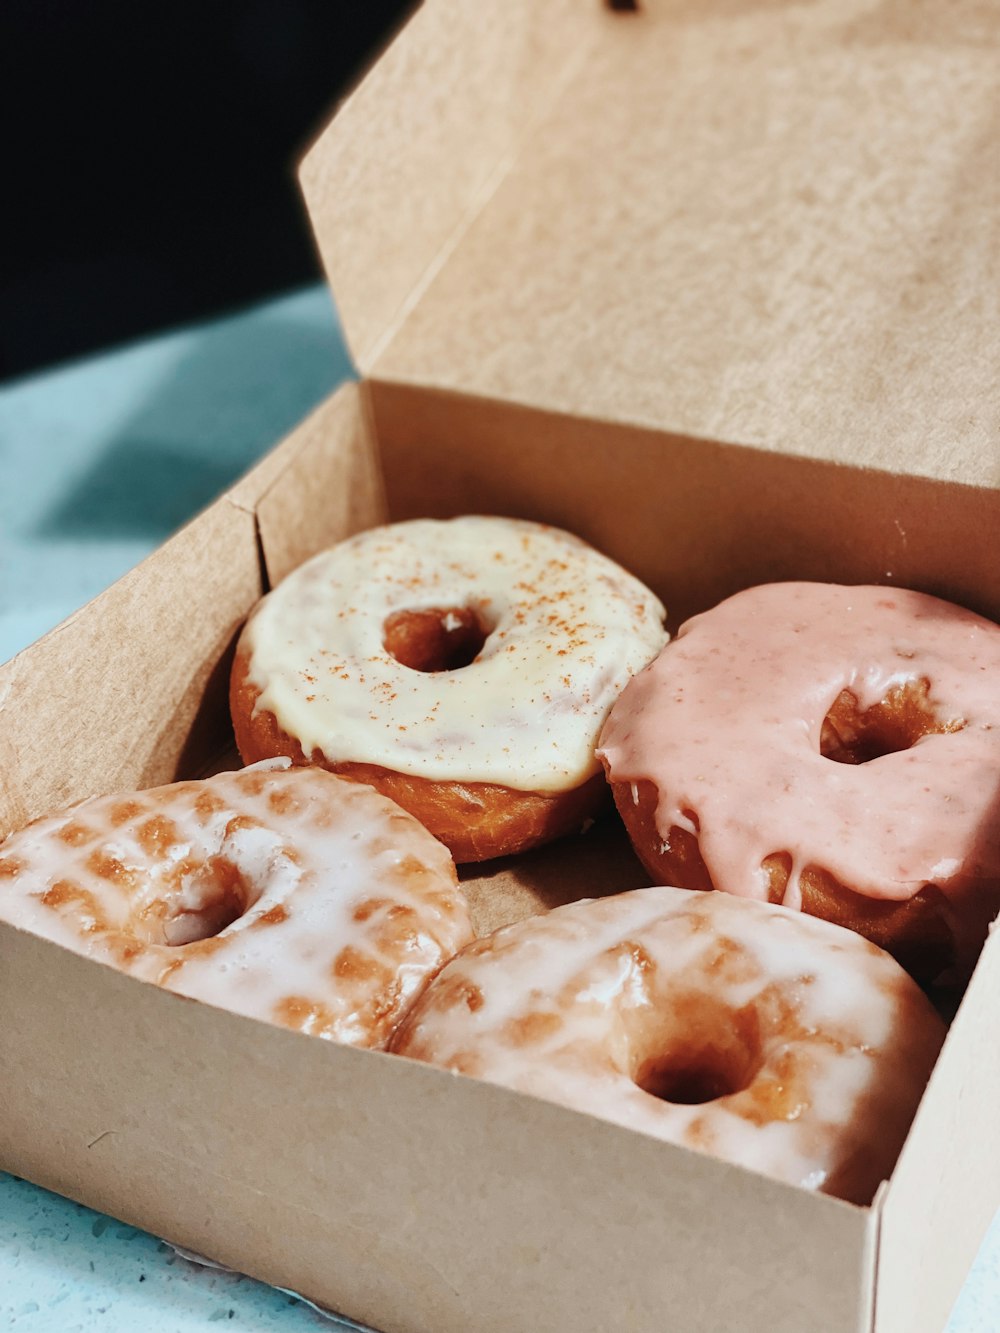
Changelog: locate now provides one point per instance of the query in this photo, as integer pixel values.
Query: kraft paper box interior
(714, 286)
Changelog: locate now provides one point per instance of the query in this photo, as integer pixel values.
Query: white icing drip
(315, 852)
(841, 1074)
(569, 629)
(792, 897)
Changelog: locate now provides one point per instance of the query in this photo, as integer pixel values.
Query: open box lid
(771, 224)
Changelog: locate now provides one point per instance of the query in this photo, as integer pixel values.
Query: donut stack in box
(695, 296)
(801, 751)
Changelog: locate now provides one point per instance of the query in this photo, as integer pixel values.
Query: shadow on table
(239, 385)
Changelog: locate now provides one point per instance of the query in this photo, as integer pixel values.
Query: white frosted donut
(291, 896)
(743, 1030)
(351, 661)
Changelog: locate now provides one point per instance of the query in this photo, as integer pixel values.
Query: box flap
(416, 150)
(759, 224)
(946, 1185)
(80, 716)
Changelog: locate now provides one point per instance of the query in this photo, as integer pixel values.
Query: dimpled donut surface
(291, 896)
(463, 667)
(834, 749)
(746, 1031)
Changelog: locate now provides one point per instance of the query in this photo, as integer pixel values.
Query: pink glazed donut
(834, 749)
(738, 1029)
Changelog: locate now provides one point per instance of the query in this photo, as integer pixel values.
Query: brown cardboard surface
(693, 519)
(418, 148)
(131, 690)
(773, 224)
(946, 1185)
(592, 865)
(411, 1199)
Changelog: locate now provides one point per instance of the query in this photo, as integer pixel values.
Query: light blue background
(101, 461)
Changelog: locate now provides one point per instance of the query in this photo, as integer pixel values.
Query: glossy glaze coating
(727, 726)
(739, 1029)
(288, 895)
(565, 629)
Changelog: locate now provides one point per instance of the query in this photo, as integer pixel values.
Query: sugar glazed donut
(742, 1030)
(835, 749)
(290, 896)
(464, 668)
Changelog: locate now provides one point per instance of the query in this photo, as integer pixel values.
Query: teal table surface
(101, 460)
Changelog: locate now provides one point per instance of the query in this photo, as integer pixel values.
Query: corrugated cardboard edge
(329, 486)
(946, 1186)
(873, 1254)
(427, 136)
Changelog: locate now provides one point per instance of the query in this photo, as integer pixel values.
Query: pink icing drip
(726, 723)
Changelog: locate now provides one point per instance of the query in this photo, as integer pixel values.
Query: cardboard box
(708, 284)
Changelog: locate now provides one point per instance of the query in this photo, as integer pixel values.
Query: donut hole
(697, 1076)
(207, 900)
(436, 638)
(852, 735)
(718, 1054)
